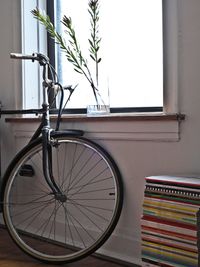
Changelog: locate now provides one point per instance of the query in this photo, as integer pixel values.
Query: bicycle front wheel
(62, 230)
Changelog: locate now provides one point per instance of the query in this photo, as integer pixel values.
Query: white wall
(9, 42)
(10, 72)
(136, 158)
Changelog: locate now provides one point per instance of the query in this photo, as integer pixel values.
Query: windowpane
(131, 50)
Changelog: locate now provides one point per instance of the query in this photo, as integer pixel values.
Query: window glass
(131, 50)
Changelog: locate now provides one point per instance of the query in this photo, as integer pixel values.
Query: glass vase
(100, 105)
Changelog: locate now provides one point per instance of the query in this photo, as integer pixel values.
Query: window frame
(172, 52)
(33, 40)
(51, 7)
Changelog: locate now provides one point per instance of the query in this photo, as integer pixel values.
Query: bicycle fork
(47, 160)
(48, 165)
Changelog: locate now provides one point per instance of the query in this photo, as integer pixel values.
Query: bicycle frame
(44, 128)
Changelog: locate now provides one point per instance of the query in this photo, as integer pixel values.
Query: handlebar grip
(42, 59)
(22, 56)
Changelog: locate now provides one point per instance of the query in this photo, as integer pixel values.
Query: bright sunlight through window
(131, 70)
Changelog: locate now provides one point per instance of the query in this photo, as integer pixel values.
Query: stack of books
(171, 222)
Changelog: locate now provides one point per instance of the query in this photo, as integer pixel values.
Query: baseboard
(114, 260)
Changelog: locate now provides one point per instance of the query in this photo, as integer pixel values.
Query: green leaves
(94, 42)
(71, 47)
(45, 20)
(72, 51)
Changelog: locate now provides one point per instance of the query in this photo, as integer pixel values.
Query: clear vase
(101, 103)
(97, 110)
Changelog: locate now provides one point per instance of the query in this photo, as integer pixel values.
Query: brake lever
(70, 89)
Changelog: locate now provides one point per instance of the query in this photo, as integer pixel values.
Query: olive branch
(72, 48)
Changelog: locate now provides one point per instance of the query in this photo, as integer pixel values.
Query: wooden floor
(11, 256)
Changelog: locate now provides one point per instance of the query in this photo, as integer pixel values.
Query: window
(33, 40)
(131, 51)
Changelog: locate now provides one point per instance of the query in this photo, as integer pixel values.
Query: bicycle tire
(58, 232)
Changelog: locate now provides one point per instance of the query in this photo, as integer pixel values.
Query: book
(170, 224)
(179, 233)
(189, 181)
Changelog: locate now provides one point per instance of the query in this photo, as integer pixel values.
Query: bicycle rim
(62, 231)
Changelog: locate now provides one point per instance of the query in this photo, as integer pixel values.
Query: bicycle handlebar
(21, 56)
(47, 83)
(42, 59)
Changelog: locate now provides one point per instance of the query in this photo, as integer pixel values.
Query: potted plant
(71, 47)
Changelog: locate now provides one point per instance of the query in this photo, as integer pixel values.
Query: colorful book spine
(198, 235)
(170, 223)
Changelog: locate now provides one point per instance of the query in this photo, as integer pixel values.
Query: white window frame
(33, 40)
(171, 32)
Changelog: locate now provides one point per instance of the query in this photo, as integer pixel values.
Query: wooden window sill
(113, 117)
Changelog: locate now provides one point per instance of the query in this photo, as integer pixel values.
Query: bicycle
(62, 194)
